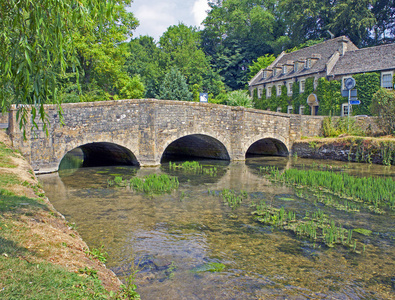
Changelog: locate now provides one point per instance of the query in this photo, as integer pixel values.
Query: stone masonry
(146, 127)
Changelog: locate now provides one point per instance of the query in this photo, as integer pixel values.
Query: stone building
(336, 58)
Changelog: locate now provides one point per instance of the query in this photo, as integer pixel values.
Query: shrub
(383, 105)
(240, 98)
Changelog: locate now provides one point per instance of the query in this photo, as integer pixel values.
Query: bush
(240, 98)
(383, 105)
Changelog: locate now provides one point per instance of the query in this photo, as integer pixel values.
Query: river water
(172, 240)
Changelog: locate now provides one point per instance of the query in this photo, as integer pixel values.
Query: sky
(155, 16)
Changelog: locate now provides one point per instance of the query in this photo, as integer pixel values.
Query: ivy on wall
(367, 85)
(328, 94)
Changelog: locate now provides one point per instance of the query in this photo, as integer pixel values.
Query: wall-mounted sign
(349, 83)
(203, 97)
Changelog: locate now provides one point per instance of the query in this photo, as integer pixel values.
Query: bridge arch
(267, 145)
(93, 154)
(194, 145)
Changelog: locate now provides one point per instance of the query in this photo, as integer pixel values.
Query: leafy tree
(384, 28)
(383, 105)
(240, 98)
(262, 62)
(133, 88)
(36, 47)
(174, 87)
(147, 60)
(353, 18)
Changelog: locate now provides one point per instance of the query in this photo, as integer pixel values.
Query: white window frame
(289, 87)
(274, 72)
(296, 67)
(269, 92)
(279, 90)
(264, 74)
(284, 69)
(260, 92)
(302, 85)
(391, 73)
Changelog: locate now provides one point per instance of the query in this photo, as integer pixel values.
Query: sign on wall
(203, 97)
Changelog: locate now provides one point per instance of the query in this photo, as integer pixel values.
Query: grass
(5, 157)
(375, 193)
(316, 226)
(194, 167)
(26, 227)
(150, 184)
(20, 279)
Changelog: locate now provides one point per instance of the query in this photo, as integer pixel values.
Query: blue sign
(355, 102)
(203, 97)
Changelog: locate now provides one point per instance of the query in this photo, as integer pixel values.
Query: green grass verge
(20, 279)
(5, 154)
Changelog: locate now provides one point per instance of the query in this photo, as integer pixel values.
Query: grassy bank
(41, 255)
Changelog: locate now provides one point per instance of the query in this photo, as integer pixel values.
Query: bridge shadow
(267, 147)
(195, 146)
(98, 155)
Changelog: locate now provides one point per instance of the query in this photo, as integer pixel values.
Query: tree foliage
(174, 87)
(383, 106)
(37, 47)
(240, 98)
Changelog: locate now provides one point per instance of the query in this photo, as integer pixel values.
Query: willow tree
(36, 48)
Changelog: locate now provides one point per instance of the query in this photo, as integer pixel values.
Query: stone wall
(3, 117)
(147, 127)
(351, 149)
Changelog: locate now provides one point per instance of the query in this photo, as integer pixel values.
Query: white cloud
(156, 16)
(200, 8)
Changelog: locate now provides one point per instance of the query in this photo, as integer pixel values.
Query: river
(190, 244)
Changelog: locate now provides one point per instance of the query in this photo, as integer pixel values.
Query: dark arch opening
(267, 147)
(195, 146)
(98, 155)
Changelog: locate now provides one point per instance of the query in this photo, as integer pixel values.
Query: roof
(370, 59)
(324, 51)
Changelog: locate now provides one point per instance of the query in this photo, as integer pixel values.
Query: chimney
(343, 41)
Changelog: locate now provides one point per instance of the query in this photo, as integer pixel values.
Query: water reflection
(169, 237)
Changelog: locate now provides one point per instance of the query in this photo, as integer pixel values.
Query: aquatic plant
(210, 267)
(232, 198)
(315, 226)
(153, 183)
(374, 193)
(194, 167)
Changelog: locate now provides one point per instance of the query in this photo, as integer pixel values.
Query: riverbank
(41, 254)
(349, 148)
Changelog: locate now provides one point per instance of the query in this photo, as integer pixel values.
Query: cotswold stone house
(336, 58)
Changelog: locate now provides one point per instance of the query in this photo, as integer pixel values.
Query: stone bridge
(147, 131)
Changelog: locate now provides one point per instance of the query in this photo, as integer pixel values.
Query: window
(264, 74)
(274, 72)
(308, 63)
(284, 69)
(269, 92)
(296, 67)
(259, 93)
(302, 85)
(290, 87)
(386, 80)
(278, 90)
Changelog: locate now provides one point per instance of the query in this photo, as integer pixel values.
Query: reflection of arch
(268, 146)
(195, 145)
(103, 154)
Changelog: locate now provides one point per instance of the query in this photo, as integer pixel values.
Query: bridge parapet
(146, 127)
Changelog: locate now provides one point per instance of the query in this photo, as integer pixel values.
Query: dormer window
(284, 69)
(296, 67)
(274, 72)
(264, 74)
(308, 63)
